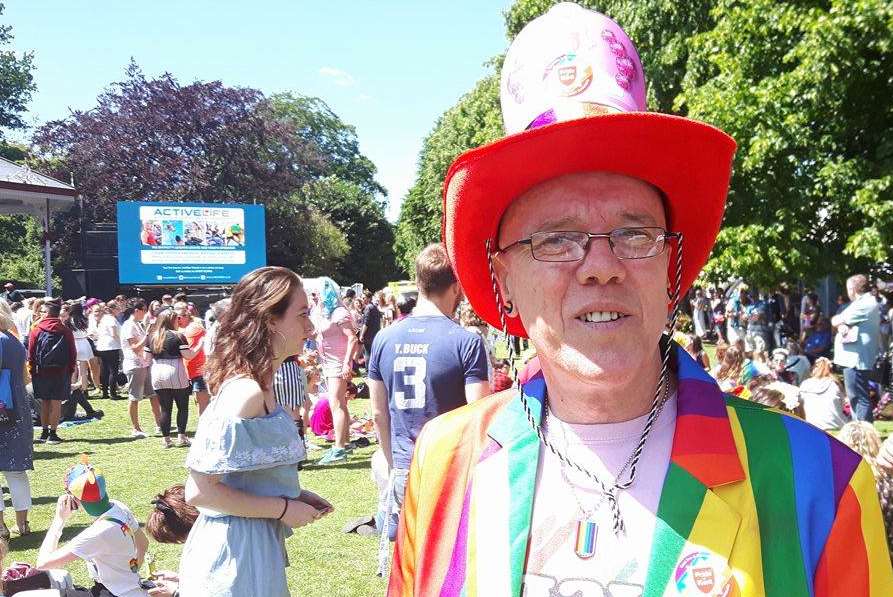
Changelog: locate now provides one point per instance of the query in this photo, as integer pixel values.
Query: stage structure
(23, 191)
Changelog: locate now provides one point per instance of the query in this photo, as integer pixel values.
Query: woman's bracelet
(284, 510)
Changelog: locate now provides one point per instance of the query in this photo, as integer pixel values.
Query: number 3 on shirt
(412, 391)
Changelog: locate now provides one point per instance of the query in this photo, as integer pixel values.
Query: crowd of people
(789, 343)
(620, 462)
(274, 384)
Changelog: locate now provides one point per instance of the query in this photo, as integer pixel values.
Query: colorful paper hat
(573, 100)
(87, 485)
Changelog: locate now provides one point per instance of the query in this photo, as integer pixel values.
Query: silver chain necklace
(586, 512)
(660, 397)
(610, 493)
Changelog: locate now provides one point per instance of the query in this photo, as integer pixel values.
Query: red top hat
(573, 100)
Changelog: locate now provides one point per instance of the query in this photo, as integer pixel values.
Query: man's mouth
(601, 316)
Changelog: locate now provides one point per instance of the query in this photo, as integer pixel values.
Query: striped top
(752, 495)
(290, 384)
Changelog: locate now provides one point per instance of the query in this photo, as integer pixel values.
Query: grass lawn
(324, 561)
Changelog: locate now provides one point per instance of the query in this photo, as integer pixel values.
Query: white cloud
(363, 97)
(338, 76)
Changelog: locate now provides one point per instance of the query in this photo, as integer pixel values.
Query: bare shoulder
(242, 397)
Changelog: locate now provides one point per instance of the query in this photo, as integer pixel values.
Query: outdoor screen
(189, 243)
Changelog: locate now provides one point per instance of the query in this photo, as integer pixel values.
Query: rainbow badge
(587, 530)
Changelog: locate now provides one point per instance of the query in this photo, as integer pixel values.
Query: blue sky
(389, 68)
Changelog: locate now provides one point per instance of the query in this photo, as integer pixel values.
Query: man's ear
(502, 280)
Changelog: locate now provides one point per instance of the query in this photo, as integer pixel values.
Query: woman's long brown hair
(166, 322)
(731, 365)
(244, 342)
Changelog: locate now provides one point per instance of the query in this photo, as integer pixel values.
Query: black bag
(121, 379)
(51, 350)
(41, 580)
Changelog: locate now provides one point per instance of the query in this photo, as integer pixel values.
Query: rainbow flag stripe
(587, 531)
(755, 503)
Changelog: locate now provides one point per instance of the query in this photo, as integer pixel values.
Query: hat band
(571, 112)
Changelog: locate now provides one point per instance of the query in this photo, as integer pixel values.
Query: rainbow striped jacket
(786, 508)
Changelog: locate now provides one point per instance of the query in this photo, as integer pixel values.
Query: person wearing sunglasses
(619, 467)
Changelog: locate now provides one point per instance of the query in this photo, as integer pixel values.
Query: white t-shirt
(109, 551)
(22, 319)
(618, 564)
(133, 329)
(108, 333)
(823, 403)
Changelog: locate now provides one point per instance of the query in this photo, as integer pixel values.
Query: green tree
(16, 81)
(314, 247)
(343, 189)
(473, 121)
(156, 139)
(804, 87)
(14, 152)
(361, 218)
(317, 125)
(21, 255)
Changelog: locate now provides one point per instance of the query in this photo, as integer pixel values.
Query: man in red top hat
(619, 467)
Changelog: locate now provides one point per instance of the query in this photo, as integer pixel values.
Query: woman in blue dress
(16, 441)
(243, 464)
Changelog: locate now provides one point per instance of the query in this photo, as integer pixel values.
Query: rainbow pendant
(587, 532)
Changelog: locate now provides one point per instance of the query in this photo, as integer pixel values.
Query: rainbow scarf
(735, 512)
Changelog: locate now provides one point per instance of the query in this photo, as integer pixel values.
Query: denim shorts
(199, 384)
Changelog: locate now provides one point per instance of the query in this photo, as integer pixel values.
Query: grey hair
(6, 321)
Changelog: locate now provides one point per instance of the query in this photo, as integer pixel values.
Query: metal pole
(47, 264)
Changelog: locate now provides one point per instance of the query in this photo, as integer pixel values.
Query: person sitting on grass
(696, 349)
(767, 391)
(112, 547)
(823, 397)
(728, 372)
(169, 522)
(819, 341)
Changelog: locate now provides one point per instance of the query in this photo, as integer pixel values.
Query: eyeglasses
(570, 245)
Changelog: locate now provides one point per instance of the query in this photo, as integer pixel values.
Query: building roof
(23, 178)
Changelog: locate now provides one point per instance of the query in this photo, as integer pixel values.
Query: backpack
(50, 351)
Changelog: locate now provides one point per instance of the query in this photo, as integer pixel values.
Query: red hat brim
(691, 162)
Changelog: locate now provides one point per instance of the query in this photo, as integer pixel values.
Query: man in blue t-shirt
(421, 367)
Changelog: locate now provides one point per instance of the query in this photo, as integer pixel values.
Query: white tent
(23, 191)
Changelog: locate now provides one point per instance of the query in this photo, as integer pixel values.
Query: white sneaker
(138, 434)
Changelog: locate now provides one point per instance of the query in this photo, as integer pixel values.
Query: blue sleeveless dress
(232, 556)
